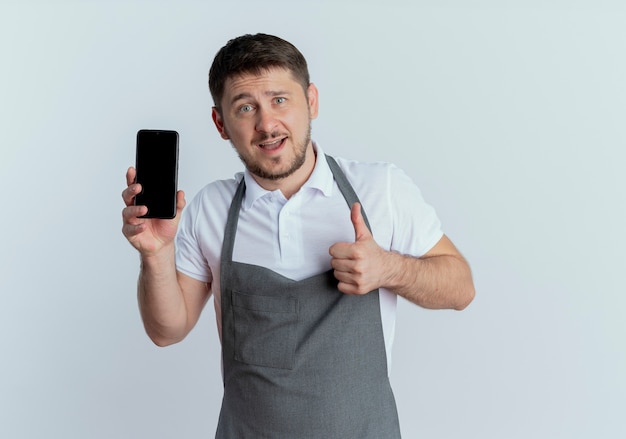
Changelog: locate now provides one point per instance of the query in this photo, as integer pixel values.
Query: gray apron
(301, 359)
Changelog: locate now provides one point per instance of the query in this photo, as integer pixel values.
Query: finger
(180, 202)
(361, 231)
(131, 214)
(128, 194)
(343, 265)
(129, 230)
(130, 176)
(343, 277)
(348, 288)
(131, 223)
(341, 250)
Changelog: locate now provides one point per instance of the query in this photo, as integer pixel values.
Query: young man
(305, 256)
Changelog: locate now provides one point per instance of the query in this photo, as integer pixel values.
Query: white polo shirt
(292, 237)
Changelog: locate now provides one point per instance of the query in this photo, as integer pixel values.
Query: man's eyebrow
(270, 93)
(239, 97)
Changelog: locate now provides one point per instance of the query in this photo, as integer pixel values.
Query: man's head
(264, 104)
(254, 54)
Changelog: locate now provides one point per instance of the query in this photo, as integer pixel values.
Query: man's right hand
(147, 235)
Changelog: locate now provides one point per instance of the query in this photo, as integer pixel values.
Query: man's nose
(266, 121)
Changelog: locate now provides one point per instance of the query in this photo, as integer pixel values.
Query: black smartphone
(156, 163)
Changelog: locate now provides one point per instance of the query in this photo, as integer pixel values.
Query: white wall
(509, 115)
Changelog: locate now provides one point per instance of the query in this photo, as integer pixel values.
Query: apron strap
(231, 223)
(346, 188)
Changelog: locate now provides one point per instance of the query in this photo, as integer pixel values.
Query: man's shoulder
(378, 180)
(351, 166)
(376, 172)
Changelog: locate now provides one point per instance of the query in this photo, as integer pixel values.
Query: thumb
(361, 231)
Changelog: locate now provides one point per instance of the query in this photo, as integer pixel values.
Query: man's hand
(360, 267)
(440, 279)
(147, 235)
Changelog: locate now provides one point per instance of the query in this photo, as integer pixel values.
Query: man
(305, 292)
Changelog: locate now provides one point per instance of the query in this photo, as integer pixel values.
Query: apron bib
(301, 359)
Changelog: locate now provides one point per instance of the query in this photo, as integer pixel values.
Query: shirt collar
(321, 179)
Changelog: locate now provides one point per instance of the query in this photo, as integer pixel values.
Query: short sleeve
(189, 256)
(416, 226)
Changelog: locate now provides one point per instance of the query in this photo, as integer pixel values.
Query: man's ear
(313, 100)
(219, 123)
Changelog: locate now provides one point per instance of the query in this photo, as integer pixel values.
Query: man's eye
(279, 100)
(246, 108)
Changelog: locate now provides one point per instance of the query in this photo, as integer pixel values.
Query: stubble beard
(296, 163)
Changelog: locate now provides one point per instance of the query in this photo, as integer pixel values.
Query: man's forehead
(262, 76)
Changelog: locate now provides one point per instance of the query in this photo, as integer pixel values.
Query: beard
(296, 163)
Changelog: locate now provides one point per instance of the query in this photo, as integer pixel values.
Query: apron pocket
(265, 329)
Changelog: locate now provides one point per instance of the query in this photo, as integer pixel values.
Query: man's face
(267, 118)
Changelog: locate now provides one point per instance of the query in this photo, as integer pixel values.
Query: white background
(508, 114)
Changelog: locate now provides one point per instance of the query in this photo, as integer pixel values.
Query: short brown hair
(255, 54)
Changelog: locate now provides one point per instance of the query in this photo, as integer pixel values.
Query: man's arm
(441, 279)
(170, 302)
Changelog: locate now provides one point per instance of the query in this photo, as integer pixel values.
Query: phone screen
(157, 169)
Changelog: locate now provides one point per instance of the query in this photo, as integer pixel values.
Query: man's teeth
(271, 144)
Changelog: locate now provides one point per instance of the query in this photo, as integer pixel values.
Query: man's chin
(272, 175)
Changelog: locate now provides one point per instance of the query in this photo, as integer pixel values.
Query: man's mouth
(272, 144)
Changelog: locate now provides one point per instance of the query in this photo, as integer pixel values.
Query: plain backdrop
(509, 115)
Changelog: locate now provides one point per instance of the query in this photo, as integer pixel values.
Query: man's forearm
(434, 282)
(161, 301)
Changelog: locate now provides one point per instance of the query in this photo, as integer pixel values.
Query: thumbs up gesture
(361, 266)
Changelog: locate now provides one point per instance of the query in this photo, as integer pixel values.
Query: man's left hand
(359, 266)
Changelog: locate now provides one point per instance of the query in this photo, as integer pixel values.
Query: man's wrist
(163, 257)
(397, 269)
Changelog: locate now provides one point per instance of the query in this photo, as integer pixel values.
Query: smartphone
(156, 163)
